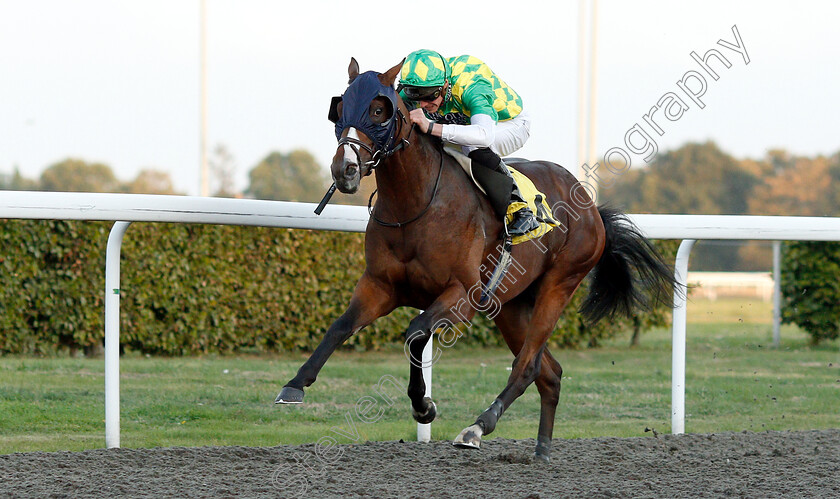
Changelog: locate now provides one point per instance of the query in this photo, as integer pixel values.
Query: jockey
(484, 116)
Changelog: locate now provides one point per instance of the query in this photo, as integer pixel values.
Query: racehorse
(432, 235)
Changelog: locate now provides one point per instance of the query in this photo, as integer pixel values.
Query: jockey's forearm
(481, 132)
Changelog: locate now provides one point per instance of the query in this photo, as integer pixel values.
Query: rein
(402, 224)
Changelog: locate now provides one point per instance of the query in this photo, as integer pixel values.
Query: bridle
(379, 155)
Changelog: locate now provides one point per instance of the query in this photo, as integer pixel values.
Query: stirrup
(523, 222)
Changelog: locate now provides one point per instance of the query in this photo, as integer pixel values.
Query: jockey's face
(433, 105)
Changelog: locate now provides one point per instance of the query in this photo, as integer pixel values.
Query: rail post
(112, 334)
(678, 338)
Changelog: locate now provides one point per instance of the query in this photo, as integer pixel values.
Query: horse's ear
(391, 75)
(352, 70)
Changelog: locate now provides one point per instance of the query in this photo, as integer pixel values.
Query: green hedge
(189, 289)
(49, 272)
(811, 287)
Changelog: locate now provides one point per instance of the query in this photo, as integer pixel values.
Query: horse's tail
(630, 274)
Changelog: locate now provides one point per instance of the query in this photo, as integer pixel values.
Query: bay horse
(431, 233)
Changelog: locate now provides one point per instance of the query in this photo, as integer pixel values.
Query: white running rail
(126, 208)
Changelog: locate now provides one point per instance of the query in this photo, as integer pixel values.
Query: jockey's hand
(418, 117)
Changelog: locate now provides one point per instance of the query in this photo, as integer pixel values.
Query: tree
(795, 186)
(779, 160)
(75, 175)
(289, 177)
(694, 179)
(806, 188)
(223, 168)
(17, 182)
(150, 182)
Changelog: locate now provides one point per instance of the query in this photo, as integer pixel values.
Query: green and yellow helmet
(423, 75)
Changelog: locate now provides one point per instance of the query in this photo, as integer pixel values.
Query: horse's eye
(377, 111)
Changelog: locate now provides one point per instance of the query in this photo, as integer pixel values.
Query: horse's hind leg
(513, 323)
(548, 384)
(528, 366)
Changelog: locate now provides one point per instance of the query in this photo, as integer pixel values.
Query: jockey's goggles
(422, 93)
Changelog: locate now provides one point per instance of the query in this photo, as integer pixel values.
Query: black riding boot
(502, 190)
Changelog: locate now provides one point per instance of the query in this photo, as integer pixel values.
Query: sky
(118, 82)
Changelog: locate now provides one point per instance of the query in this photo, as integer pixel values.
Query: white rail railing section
(126, 208)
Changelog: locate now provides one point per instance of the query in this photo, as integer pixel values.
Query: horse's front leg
(371, 300)
(445, 313)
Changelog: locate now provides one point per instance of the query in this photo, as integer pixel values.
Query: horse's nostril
(351, 171)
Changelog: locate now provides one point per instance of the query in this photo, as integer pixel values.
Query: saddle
(534, 199)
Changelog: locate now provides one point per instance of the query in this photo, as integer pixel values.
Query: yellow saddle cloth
(529, 193)
(534, 200)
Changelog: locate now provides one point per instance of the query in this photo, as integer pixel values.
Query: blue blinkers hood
(355, 103)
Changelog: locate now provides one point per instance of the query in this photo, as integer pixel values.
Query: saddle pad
(526, 188)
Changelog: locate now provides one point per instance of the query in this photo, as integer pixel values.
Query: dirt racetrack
(769, 464)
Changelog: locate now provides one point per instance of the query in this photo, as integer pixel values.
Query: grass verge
(735, 382)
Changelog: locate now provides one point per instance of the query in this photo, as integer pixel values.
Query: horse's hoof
(470, 438)
(289, 395)
(543, 450)
(428, 416)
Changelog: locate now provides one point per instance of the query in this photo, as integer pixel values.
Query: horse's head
(366, 125)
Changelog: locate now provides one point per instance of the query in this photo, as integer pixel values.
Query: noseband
(377, 156)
